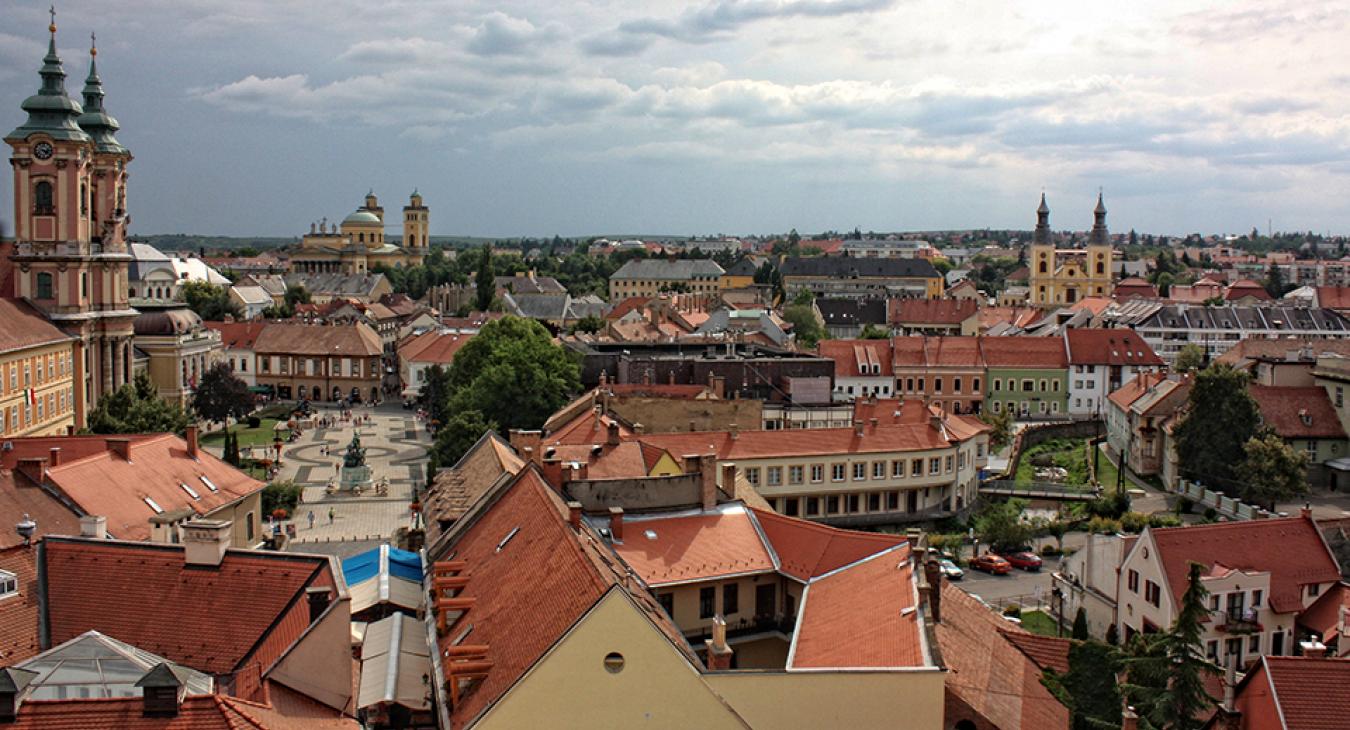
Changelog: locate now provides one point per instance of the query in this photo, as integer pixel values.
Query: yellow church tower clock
(70, 219)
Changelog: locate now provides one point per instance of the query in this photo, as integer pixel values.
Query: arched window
(1101, 268)
(1042, 267)
(84, 199)
(44, 285)
(42, 199)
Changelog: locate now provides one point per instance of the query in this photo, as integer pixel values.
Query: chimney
(857, 428)
(872, 422)
(34, 468)
(719, 383)
(205, 542)
(1229, 718)
(523, 440)
(95, 526)
(612, 439)
(639, 429)
(318, 601)
(729, 478)
(1306, 511)
(735, 430)
(708, 482)
(1313, 649)
(1128, 719)
(932, 573)
(121, 447)
(191, 437)
(616, 524)
(574, 515)
(14, 684)
(719, 653)
(54, 458)
(162, 691)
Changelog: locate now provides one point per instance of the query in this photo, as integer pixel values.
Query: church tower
(1099, 253)
(416, 225)
(70, 218)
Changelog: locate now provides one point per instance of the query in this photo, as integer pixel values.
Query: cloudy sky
(524, 117)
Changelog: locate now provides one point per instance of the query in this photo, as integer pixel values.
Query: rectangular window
(947, 465)
(853, 503)
(874, 502)
(937, 385)
(774, 475)
(859, 470)
(956, 385)
(1212, 650)
(920, 385)
(878, 470)
(1028, 385)
(1314, 589)
(1133, 580)
(935, 465)
(1152, 593)
(706, 605)
(998, 384)
(752, 475)
(817, 473)
(909, 385)
(916, 467)
(248, 530)
(975, 385)
(730, 599)
(812, 506)
(892, 501)
(790, 506)
(667, 601)
(795, 474)
(898, 468)
(998, 407)
(832, 504)
(1256, 599)
(1054, 386)
(837, 472)
(1254, 644)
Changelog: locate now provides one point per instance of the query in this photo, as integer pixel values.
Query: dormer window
(9, 584)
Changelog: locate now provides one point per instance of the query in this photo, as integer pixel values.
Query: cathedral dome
(167, 322)
(361, 218)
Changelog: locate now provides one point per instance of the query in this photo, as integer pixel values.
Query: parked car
(949, 569)
(1023, 558)
(991, 563)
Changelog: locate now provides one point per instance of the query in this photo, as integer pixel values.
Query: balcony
(1237, 622)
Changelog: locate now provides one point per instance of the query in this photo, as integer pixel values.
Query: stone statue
(356, 456)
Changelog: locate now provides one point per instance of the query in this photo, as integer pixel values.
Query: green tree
(220, 395)
(1002, 423)
(455, 438)
(209, 301)
(1221, 418)
(1057, 529)
(484, 281)
(1000, 525)
(1274, 283)
(1166, 675)
(283, 494)
(1272, 471)
(435, 394)
(1090, 688)
(1080, 625)
(137, 408)
(513, 374)
(589, 324)
(297, 294)
(1189, 358)
(875, 332)
(805, 327)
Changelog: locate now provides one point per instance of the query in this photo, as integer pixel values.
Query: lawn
(1107, 473)
(1068, 454)
(263, 435)
(1038, 622)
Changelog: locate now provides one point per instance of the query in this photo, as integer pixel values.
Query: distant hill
(192, 242)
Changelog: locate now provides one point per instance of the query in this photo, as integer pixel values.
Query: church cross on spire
(52, 27)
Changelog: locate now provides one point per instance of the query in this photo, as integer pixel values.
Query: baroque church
(358, 244)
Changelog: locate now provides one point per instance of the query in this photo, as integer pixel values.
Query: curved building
(357, 244)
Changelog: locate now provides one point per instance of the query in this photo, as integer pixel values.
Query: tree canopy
(1221, 418)
(1189, 358)
(1272, 471)
(1166, 673)
(513, 374)
(220, 395)
(486, 288)
(209, 301)
(137, 408)
(1000, 525)
(455, 438)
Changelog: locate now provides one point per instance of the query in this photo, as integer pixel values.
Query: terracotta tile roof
(25, 326)
(1323, 617)
(198, 712)
(454, 490)
(931, 311)
(1303, 557)
(589, 427)
(106, 484)
(72, 447)
(320, 340)
(1282, 349)
(1110, 347)
(1048, 652)
(433, 347)
(1127, 394)
(209, 619)
(1333, 297)
(1311, 694)
(800, 442)
(1015, 316)
(1095, 305)
(1135, 287)
(1025, 352)
(857, 358)
(475, 320)
(1297, 412)
(682, 392)
(861, 616)
(237, 335)
(808, 549)
(986, 672)
(19, 616)
(625, 306)
(1246, 288)
(20, 496)
(693, 547)
(954, 352)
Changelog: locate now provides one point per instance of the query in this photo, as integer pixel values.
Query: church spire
(97, 122)
(51, 111)
(1042, 234)
(1099, 233)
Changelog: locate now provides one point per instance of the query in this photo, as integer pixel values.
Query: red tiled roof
(19, 615)
(1110, 347)
(1311, 694)
(209, 619)
(625, 306)
(1333, 297)
(1297, 412)
(1135, 287)
(1096, 305)
(798, 442)
(684, 392)
(1048, 652)
(1302, 557)
(19, 496)
(25, 326)
(1025, 352)
(855, 358)
(197, 712)
(322, 340)
(937, 351)
(72, 447)
(1324, 615)
(1127, 394)
(1246, 288)
(986, 672)
(106, 484)
(434, 347)
(1016, 316)
(587, 428)
(931, 311)
(704, 546)
(807, 549)
(857, 617)
(237, 335)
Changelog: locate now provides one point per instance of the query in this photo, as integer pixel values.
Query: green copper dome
(95, 121)
(51, 111)
(361, 217)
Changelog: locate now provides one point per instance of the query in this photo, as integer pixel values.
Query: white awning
(394, 658)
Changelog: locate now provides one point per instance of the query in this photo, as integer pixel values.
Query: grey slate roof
(744, 267)
(848, 267)
(663, 270)
(852, 312)
(354, 285)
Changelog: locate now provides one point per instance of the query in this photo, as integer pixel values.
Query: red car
(1024, 559)
(991, 563)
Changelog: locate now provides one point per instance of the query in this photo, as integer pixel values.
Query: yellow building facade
(358, 244)
(1065, 276)
(37, 397)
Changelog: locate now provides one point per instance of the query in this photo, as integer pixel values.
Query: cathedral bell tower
(416, 238)
(70, 250)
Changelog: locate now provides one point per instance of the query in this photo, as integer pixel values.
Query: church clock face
(42, 150)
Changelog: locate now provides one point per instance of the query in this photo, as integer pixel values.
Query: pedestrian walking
(331, 515)
(311, 519)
